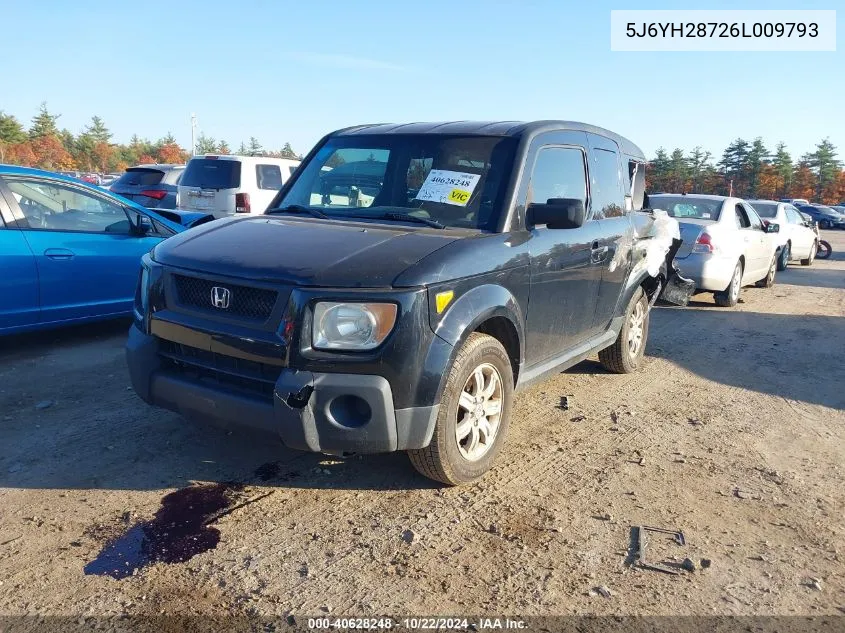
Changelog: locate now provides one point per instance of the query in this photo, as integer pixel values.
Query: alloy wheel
(479, 412)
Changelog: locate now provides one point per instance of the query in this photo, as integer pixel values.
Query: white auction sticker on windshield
(448, 187)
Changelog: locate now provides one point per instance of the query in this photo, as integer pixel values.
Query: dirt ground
(732, 433)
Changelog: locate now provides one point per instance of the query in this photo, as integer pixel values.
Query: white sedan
(797, 239)
(725, 244)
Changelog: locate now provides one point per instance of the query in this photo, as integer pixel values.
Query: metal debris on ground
(564, 403)
(638, 548)
(604, 591)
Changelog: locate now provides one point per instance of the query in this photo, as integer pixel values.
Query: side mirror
(556, 213)
(142, 225)
(771, 227)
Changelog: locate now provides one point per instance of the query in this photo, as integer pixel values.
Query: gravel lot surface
(733, 433)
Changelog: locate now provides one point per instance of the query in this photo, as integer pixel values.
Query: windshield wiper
(298, 208)
(406, 217)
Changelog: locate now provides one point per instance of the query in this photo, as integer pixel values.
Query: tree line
(750, 170)
(43, 144)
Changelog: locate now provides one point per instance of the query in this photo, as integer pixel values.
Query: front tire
(783, 260)
(626, 353)
(812, 256)
(729, 297)
(474, 414)
(769, 280)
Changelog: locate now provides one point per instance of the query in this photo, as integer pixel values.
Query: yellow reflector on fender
(443, 299)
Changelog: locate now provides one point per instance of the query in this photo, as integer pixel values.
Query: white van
(224, 185)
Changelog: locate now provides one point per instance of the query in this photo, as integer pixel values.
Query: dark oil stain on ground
(178, 531)
(273, 470)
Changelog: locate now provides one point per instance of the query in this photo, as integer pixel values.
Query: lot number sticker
(448, 187)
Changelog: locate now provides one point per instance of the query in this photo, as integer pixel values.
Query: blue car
(71, 252)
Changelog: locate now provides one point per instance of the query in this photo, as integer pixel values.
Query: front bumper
(321, 412)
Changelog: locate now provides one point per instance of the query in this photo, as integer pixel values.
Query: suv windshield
(687, 207)
(456, 181)
(765, 209)
(140, 176)
(212, 173)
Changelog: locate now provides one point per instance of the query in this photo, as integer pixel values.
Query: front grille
(244, 301)
(246, 376)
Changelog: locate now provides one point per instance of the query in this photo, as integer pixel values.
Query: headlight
(351, 326)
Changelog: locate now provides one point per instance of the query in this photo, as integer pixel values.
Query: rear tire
(626, 353)
(454, 455)
(824, 250)
(729, 297)
(769, 280)
(813, 250)
(783, 260)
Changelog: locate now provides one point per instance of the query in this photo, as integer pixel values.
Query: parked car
(725, 244)
(826, 217)
(403, 316)
(226, 185)
(797, 239)
(151, 186)
(795, 201)
(71, 252)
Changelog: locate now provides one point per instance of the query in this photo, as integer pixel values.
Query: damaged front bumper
(320, 412)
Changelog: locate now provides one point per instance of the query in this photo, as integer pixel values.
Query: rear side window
(558, 173)
(636, 178)
(606, 185)
(211, 173)
(140, 176)
(172, 176)
(766, 209)
(292, 169)
(268, 177)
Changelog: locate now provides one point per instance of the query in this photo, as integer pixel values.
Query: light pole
(193, 133)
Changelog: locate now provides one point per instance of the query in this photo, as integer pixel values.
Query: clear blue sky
(292, 71)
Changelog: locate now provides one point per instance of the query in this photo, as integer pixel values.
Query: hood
(186, 219)
(301, 251)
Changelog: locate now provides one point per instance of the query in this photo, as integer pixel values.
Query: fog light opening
(350, 411)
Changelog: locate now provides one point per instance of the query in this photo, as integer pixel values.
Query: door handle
(597, 253)
(58, 253)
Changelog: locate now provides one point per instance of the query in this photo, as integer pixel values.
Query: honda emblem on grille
(220, 297)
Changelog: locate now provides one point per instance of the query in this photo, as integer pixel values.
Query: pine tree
(657, 172)
(44, 123)
(782, 162)
(757, 157)
(97, 130)
(824, 164)
(254, 148)
(223, 148)
(11, 130)
(205, 145)
(698, 162)
(287, 152)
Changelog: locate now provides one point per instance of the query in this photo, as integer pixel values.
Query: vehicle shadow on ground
(34, 344)
(792, 356)
(812, 276)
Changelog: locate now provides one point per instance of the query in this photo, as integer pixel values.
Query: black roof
(490, 128)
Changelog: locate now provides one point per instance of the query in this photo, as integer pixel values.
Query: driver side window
(56, 206)
(558, 173)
